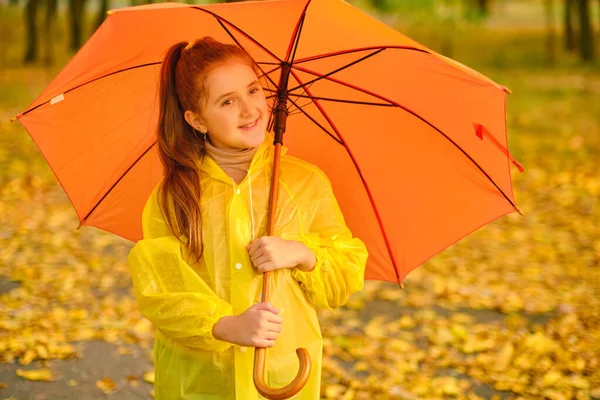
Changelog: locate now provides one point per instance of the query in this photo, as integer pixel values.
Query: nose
(245, 107)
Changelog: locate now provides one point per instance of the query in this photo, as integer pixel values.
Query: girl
(197, 273)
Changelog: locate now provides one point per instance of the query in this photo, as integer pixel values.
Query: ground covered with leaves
(512, 311)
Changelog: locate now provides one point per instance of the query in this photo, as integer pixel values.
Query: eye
(254, 90)
(227, 102)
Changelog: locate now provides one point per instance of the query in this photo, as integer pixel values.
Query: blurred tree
(569, 21)
(76, 14)
(550, 32)
(31, 22)
(31, 52)
(477, 9)
(586, 31)
(104, 6)
(51, 13)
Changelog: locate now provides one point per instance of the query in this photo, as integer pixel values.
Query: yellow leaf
(361, 366)
(551, 377)
(41, 351)
(407, 322)
(28, 357)
(42, 374)
(124, 351)
(540, 343)
(579, 382)
(107, 385)
(3, 385)
(555, 395)
(334, 391)
(149, 376)
(505, 357)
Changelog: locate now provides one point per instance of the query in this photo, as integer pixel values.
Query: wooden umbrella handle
(260, 354)
(290, 389)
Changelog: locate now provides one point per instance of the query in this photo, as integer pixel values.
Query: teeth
(249, 125)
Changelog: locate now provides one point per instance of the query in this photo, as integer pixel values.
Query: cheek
(262, 105)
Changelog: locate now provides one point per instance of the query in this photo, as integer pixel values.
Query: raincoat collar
(263, 156)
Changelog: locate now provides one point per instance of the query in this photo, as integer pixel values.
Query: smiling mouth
(250, 125)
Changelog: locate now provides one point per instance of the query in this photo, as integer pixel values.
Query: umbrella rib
(242, 47)
(293, 46)
(364, 103)
(91, 81)
(325, 76)
(115, 184)
(219, 18)
(317, 123)
(414, 114)
(366, 186)
(349, 51)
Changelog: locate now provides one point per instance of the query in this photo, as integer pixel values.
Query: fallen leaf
(42, 374)
(106, 385)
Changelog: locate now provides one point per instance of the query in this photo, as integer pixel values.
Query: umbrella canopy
(415, 144)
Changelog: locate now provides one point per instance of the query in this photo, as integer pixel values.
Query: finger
(264, 343)
(266, 266)
(255, 245)
(274, 328)
(270, 335)
(275, 318)
(258, 257)
(267, 307)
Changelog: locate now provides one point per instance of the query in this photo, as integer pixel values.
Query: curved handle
(290, 389)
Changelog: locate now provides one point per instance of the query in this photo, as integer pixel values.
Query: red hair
(180, 147)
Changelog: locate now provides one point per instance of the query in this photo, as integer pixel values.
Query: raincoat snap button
(243, 349)
(238, 266)
(238, 191)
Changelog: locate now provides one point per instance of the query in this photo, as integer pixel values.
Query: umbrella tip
(13, 119)
(519, 211)
(80, 224)
(401, 285)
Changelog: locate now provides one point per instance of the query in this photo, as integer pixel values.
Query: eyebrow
(254, 82)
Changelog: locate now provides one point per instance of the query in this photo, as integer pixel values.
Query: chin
(254, 139)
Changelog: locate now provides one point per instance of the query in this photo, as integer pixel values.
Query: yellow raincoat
(184, 301)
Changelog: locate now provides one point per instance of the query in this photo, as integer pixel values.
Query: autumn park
(511, 311)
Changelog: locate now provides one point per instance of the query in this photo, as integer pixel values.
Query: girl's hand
(269, 253)
(258, 326)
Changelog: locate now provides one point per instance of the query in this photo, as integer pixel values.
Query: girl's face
(235, 112)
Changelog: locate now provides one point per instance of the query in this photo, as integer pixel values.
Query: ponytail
(179, 150)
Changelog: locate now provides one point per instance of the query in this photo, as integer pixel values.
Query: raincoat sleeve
(169, 292)
(341, 259)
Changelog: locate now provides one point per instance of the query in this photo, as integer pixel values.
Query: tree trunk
(104, 6)
(484, 7)
(76, 12)
(550, 32)
(31, 54)
(570, 44)
(586, 31)
(51, 10)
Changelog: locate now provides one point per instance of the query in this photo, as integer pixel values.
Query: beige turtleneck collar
(234, 163)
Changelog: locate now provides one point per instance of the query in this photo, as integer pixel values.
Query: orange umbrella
(415, 144)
